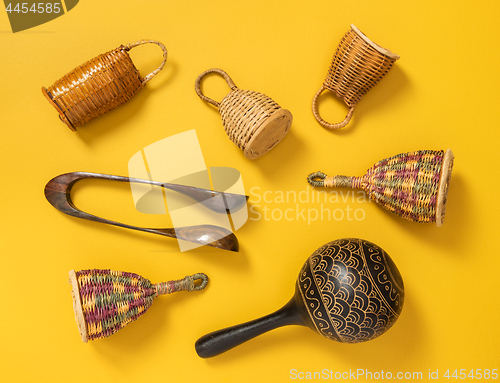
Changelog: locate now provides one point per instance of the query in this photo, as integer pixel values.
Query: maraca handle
(223, 340)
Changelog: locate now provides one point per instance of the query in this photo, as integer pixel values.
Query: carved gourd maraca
(348, 290)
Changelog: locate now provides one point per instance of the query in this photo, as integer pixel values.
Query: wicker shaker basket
(413, 185)
(99, 85)
(357, 66)
(252, 120)
(105, 301)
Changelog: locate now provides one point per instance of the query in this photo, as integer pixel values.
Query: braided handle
(185, 284)
(317, 179)
(320, 179)
(228, 79)
(325, 124)
(163, 48)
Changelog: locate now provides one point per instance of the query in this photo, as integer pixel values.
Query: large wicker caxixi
(99, 85)
(252, 120)
(357, 66)
(413, 185)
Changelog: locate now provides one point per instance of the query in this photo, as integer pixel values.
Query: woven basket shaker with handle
(357, 66)
(105, 301)
(99, 85)
(413, 185)
(252, 120)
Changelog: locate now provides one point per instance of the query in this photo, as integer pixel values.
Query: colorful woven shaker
(99, 85)
(357, 66)
(252, 120)
(105, 301)
(413, 185)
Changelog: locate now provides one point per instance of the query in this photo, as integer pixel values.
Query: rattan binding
(99, 85)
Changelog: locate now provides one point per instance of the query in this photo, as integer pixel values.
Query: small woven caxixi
(357, 66)
(252, 120)
(413, 185)
(99, 85)
(105, 300)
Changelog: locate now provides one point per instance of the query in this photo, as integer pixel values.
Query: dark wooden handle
(223, 340)
(219, 202)
(58, 193)
(58, 190)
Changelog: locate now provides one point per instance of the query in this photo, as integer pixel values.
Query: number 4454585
(472, 374)
(35, 8)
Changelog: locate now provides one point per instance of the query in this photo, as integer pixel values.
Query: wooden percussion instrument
(348, 290)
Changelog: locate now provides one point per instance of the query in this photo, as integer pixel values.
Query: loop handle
(204, 281)
(317, 179)
(228, 79)
(325, 124)
(163, 48)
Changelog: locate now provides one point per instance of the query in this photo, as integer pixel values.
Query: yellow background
(441, 94)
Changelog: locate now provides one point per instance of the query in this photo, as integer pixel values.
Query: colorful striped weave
(109, 300)
(413, 185)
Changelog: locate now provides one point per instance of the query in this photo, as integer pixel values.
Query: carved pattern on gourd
(351, 290)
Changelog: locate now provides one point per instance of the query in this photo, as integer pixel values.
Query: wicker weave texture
(99, 85)
(243, 112)
(112, 299)
(357, 66)
(407, 184)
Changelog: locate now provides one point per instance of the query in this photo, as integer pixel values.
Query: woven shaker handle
(317, 179)
(320, 179)
(163, 48)
(204, 281)
(184, 284)
(323, 123)
(213, 70)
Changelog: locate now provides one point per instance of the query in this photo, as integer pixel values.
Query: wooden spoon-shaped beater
(348, 290)
(57, 192)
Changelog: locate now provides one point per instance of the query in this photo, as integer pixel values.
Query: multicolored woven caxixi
(109, 300)
(413, 185)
